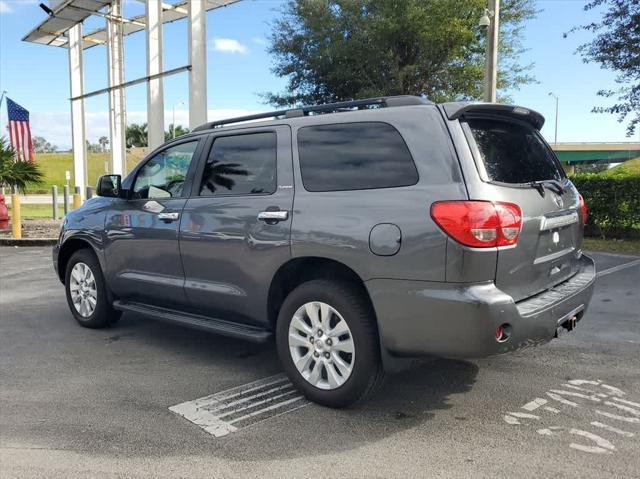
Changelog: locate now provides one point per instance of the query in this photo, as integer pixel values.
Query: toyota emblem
(558, 200)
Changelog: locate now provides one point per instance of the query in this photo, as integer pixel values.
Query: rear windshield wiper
(553, 185)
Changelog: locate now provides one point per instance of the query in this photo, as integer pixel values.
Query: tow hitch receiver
(570, 323)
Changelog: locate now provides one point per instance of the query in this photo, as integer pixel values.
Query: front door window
(163, 175)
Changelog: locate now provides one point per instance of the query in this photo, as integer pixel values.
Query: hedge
(613, 205)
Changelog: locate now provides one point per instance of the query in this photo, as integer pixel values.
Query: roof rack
(382, 102)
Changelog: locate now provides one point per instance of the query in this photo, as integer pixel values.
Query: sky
(239, 70)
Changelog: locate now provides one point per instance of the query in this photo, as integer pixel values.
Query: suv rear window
(513, 153)
(354, 156)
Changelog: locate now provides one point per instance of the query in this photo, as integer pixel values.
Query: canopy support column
(155, 93)
(198, 61)
(117, 119)
(76, 77)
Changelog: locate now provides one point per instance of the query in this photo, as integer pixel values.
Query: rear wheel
(328, 343)
(86, 292)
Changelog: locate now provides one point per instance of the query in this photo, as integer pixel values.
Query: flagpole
(4, 93)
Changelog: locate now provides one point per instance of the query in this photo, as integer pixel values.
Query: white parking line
(594, 394)
(612, 429)
(227, 411)
(620, 267)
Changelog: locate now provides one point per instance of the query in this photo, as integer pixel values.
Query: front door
(235, 229)
(142, 251)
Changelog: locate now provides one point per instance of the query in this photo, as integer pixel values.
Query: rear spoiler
(456, 110)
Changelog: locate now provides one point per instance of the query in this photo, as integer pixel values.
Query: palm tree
(137, 135)
(17, 173)
(179, 131)
(103, 141)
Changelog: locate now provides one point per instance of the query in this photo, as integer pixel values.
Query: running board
(218, 326)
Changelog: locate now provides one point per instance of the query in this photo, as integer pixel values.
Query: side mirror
(109, 186)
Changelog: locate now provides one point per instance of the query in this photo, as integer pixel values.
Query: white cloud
(259, 40)
(8, 6)
(4, 7)
(55, 127)
(228, 45)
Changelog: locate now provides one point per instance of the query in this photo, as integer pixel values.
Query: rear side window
(354, 156)
(241, 165)
(513, 153)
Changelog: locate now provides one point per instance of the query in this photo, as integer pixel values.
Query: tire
(88, 280)
(332, 385)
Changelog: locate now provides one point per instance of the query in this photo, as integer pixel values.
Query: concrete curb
(28, 242)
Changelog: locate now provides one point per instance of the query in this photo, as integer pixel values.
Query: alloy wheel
(82, 286)
(321, 345)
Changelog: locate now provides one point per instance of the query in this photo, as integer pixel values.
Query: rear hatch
(516, 165)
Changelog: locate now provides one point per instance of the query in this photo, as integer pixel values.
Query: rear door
(235, 229)
(514, 164)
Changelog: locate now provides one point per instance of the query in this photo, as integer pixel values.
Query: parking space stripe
(620, 267)
(612, 429)
(227, 411)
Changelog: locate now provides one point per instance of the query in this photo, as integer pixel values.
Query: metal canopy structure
(68, 13)
(64, 28)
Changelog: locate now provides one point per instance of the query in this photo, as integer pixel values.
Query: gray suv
(359, 234)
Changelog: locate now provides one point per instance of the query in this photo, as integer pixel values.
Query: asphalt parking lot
(83, 403)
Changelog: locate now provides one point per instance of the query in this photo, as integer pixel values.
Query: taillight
(583, 210)
(481, 224)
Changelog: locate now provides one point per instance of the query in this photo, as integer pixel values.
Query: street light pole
(491, 20)
(555, 138)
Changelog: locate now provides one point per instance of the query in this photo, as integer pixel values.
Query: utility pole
(491, 20)
(555, 138)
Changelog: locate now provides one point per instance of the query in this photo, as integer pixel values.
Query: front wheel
(328, 342)
(86, 291)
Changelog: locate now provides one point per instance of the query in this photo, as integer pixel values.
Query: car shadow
(406, 400)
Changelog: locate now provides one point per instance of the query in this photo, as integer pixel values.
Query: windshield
(513, 153)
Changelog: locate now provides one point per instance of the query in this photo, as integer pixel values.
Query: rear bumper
(417, 318)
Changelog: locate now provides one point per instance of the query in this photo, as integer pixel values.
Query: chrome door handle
(168, 216)
(273, 215)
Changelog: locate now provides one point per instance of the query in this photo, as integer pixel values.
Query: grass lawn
(54, 166)
(29, 212)
(612, 246)
(628, 168)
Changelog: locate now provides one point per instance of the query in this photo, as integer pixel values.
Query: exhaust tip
(503, 333)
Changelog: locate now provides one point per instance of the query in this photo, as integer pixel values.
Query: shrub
(17, 173)
(613, 204)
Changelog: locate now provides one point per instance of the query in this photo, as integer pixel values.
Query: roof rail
(382, 102)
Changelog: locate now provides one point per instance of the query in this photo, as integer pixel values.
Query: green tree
(17, 173)
(180, 130)
(136, 135)
(333, 50)
(40, 145)
(616, 46)
(103, 141)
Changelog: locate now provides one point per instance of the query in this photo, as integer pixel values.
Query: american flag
(19, 131)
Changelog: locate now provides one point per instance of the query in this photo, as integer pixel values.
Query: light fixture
(46, 9)
(485, 19)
